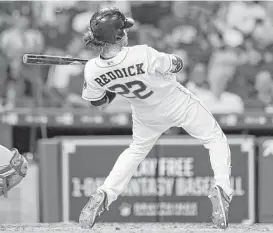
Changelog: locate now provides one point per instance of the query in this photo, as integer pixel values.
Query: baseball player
(12, 173)
(147, 78)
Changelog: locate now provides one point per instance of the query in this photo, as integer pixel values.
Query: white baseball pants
(181, 109)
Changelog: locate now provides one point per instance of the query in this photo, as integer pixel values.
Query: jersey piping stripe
(114, 64)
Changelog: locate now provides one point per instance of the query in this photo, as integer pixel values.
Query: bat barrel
(36, 59)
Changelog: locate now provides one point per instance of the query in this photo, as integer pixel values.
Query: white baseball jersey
(139, 73)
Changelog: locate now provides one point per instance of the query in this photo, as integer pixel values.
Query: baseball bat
(36, 59)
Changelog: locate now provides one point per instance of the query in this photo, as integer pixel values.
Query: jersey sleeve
(158, 61)
(91, 90)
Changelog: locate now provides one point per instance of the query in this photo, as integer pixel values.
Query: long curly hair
(90, 41)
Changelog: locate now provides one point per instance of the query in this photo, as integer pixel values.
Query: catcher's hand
(12, 174)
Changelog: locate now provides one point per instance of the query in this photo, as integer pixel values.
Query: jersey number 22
(133, 89)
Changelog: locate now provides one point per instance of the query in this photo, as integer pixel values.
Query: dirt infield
(133, 228)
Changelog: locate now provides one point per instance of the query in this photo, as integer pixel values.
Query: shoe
(220, 205)
(93, 209)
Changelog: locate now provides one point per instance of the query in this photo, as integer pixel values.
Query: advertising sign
(170, 185)
(265, 164)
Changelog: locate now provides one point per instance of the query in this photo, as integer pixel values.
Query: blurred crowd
(228, 54)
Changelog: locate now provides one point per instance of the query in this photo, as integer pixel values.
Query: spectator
(244, 16)
(264, 96)
(242, 84)
(213, 90)
(124, 6)
(150, 35)
(198, 76)
(3, 79)
(15, 42)
(263, 32)
(249, 63)
(180, 31)
(141, 11)
(65, 82)
(59, 34)
(248, 32)
(80, 22)
(220, 71)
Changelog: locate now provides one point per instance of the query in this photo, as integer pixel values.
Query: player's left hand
(12, 174)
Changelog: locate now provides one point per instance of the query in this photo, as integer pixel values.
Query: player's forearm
(103, 102)
(177, 63)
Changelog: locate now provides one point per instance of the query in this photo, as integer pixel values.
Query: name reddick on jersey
(132, 70)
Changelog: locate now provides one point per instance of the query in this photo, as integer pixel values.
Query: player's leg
(144, 138)
(200, 123)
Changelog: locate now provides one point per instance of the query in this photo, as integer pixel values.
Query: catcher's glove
(12, 174)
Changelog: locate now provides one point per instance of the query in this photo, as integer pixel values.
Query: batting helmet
(107, 25)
